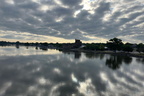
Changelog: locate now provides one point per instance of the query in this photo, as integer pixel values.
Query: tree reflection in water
(140, 60)
(114, 62)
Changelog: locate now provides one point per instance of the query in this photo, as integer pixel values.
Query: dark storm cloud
(71, 19)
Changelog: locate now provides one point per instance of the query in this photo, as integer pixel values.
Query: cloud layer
(70, 19)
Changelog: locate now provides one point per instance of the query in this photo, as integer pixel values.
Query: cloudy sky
(66, 20)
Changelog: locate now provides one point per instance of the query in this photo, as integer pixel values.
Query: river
(30, 72)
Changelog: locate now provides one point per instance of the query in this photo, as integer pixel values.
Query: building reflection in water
(77, 54)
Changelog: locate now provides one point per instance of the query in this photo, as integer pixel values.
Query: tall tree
(115, 44)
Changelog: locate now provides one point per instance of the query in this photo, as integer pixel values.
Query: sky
(66, 20)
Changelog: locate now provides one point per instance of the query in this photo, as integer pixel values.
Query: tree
(140, 47)
(127, 48)
(115, 44)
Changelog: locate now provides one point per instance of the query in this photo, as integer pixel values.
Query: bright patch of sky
(44, 8)
(10, 1)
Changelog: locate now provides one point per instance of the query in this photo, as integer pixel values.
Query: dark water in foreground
(30, 72)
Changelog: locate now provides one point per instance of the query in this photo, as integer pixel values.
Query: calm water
(31, 72)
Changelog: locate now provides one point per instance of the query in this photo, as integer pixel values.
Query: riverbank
(132, 54)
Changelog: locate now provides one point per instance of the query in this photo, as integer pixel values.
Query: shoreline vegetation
(114, 46)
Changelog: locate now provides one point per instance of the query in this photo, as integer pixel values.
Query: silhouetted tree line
(114, 44)
(117, 44)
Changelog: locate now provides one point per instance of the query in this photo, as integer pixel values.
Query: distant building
(77, 44)
(68, 46)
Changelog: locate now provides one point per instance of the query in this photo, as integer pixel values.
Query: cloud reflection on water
(69, 75)
(23, 51)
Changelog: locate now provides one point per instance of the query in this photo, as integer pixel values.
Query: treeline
(5, 43)
(114, 44)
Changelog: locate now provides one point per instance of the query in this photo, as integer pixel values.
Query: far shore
(122, 53)
(132, 54)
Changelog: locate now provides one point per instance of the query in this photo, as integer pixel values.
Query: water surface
(31, 72)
